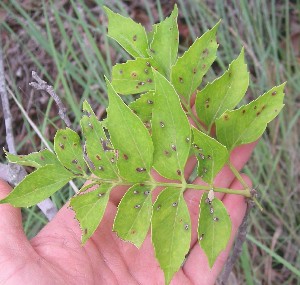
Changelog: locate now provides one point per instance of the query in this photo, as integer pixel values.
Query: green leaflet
(133, 76)
(38, 185)
(131, 138)
(189, 69)
(248, 123)
(129, 34)
(164, 46)
(224, 93)
(211, 156)
(89, 209)
(171, 230)
(214, 228)
(97, 146)
(171, 132)
(134, 213)
(69, 151)
(143, 106)
(34, 159)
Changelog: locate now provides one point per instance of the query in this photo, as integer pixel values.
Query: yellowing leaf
(129, 34)
(131, 138)
(132, 221)
(164, 46)
(189, 69)
(214, 228)
(170, 230)
(171, 132)
(89, 209)
(224, 93)
(102, 156)
(38, 185)
(247, 123)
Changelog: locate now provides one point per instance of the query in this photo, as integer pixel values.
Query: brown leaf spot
(134, 38)
(125, 156)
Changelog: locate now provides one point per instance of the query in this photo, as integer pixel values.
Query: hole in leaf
(186, 227)
(187, 139)
(137, 206)
(216, 219)
(211, 210)
(175, 204)
(173, 146)
(101, 168)
(147, 192)
(201, 237)
(75, 161)
(136, 192)
(162, 124)
(101, 194)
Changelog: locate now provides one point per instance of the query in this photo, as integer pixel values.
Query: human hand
(56, 256)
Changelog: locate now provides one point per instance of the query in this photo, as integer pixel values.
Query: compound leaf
(39, 185)
(170, 230)
(129, 34)
(189, 69)
(133, 76)
(211, 156)
(214, 228)
(89, 209)
(248, 123)
(68, 149)
(171, 132)
(131, 138)
(134, 213)
(164, 46)
(34, 159)
(143, 106)
(101, 155)
(224, 93)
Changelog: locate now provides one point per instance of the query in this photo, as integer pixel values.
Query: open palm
(56, 256)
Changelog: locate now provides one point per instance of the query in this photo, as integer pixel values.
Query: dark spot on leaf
(64, 137)
(255, 107)
(152, 50)
(133, 74)
(90, 125)
(150, 102)
(146, 70)
(134, 111)
(204, 170)
(263, 107)
(112, 160)
(75, 161)
(203, 66)
(101, 168)
(244, 111)
(121, 71)
(180, 79)
(158, 207)
(149, 80)
(136, 192)
(147, 192)
(137, 87)
(148, 63)
(226, 117)
(42, 158)
(202, 155)
(173, 146)
(134, 38)
(101, 194)
(178, 172)
(229, 74)
(207, 106)
(74, 144)
(207, 100)
(142, 184)
(132, 231)
(167, 153)
(186, 226)
(137, 206)
(205, 52)
(85, 231)
(79, 167)
(162, 124)
(216, 219)
(140, 169)
(141, 83)
(275, 110)
(207, 201)
(208, 157)
(174, 204)
(147, 124)
(98, 157)
(274, 93)
(201, 236)
(258, 113)
(194, 70)
(125, 156)
(62, 146)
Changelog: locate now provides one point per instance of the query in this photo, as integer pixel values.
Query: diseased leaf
(133, 76)
(89, 209)
(38, 185)
(68, 149)
(97, 146)
(211, 156)
(130, 137)
(170, 230)
(214, 228)
(129, 34)
(224, 93)
(34, 159)
(134, 213)
(189, 69)
(248, 123)
(143, 106)
(171, 132)
(164, 46)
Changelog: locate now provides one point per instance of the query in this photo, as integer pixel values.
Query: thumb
(11, 228)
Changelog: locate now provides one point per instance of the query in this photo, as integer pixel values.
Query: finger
(196, 266)
(239, 157)
(11, 229)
